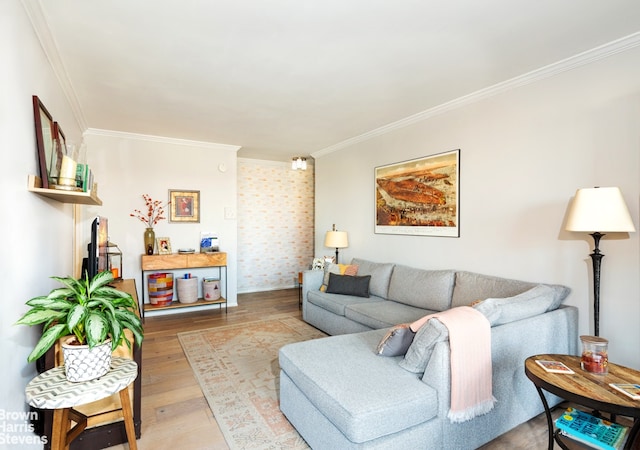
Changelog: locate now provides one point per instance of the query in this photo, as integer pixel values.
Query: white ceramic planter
(82, 363)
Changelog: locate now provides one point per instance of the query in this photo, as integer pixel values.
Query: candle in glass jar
(67, 174)
(595, 358)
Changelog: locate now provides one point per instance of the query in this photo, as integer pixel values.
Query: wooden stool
(52, 390)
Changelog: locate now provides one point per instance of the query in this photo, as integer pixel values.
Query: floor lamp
(336, 239)
(597, 210)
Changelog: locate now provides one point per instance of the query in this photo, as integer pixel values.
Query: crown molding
(581, 59)
(159, 139)
(271, 163)
(50, 48)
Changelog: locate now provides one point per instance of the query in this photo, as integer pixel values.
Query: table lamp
(593, 211)
(336, 239)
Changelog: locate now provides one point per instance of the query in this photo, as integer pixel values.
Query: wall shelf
(83, 198)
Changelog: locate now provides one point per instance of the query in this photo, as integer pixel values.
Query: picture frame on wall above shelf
(45, 136)
(419, 197)
(164, 245)
(185, 206)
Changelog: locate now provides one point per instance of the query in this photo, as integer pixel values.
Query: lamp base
(596, 258)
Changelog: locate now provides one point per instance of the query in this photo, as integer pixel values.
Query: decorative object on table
(187, 289)
(149, 240)
(210, 289)
(186, 251)
(554, 366)
(164, 245)
(629, 389)
(185, 206)
(114, 260)
(593, 211)
(419, 197)
(208, 242)
(336, 239)
(591, 430)
(153, 214)
(160, 288)
(90, 311)
(299, 163)
(595, 356)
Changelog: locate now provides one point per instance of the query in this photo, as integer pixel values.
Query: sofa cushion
(470, 287)
(363, 395)
(349, 285)
(396, 341)
(429, 289)
(536, 300)
(340, 269)
(420, 350)
(380, 275)
(336, 303)
(383, 314)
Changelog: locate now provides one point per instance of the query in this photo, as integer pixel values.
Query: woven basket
(161, 289)
(187, 290)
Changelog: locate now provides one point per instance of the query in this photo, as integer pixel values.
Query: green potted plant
(95, 316)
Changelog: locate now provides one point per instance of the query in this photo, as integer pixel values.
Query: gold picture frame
(164, 245)
(185, 206)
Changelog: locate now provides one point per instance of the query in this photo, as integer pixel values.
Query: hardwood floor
(175, 413)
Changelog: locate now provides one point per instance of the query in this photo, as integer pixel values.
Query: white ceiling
(293, 77)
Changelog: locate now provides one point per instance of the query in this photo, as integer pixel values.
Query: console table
(184, 261)
(586, 389)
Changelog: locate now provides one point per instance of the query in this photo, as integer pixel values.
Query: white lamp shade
(336, 239)
(600, 209)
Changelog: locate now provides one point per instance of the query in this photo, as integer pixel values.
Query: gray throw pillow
(396, 341)
(530, 303)
(349, 285)
(421, 348)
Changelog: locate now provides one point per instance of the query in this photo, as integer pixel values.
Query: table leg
(59, 429)
(127, 414)
(548, 414)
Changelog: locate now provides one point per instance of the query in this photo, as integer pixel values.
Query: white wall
(275, 224)
(36, 232)
(128, 165)
(523, 155)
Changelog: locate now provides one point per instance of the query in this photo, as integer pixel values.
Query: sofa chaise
(339, 393)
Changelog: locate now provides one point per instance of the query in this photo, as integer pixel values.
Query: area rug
(237, 369)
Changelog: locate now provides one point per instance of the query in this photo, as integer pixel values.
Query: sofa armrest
(311, 281)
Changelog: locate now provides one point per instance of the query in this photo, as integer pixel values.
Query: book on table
(630, 389)
(591, 430)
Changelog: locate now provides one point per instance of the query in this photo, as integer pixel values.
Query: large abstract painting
(420, 196)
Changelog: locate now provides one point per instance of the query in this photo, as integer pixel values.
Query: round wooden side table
(586, 389)
(52, 390)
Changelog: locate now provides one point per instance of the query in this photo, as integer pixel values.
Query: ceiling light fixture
(299, 163)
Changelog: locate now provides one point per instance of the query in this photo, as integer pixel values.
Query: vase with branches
(153, 213)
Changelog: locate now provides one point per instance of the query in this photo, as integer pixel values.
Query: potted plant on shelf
(93, 314)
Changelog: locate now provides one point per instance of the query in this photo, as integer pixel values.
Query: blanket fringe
(470, 413)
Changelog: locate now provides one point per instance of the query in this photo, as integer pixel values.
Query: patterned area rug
(237, 368)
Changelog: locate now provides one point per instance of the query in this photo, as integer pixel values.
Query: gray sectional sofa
(340, 394)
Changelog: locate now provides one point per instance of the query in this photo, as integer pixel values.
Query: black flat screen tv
(96, 260)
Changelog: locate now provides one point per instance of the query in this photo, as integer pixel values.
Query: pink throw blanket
(470, 344)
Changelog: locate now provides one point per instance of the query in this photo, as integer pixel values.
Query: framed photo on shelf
(419, 197)
(164, 245)
(185, 206)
